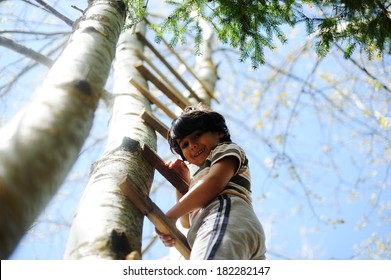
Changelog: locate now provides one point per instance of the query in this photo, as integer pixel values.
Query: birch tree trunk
(107, 225)
(205, 68)
(40, 145)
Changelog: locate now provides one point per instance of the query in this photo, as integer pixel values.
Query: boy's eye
(184, 145)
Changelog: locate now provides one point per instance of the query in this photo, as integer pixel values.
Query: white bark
(205, 68)
(40, 145)
(107, 225)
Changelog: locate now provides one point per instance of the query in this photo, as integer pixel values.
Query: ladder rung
(153, 158)
(175, 73)
(183, 62)
(157, 71)
(155, 123)
(151, 98)
(190, 70)
(156, 216)
(179, 100)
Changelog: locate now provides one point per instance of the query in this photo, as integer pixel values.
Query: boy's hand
(180, 167)
(167, 239)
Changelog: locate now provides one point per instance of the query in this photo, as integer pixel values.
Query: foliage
(136, 11)
(252, 25)
(250, 29)
(356, 23)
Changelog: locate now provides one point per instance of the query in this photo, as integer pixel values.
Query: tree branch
(363, 69)
(5, 42)
(33, 33)
(55, 12)
(17, 76)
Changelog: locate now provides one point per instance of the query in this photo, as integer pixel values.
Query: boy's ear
(221, 135)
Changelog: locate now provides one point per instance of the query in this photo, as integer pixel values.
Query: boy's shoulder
(227, 148)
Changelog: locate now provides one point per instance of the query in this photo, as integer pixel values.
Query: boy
(217, 208)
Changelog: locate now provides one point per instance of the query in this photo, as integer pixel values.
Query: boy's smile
(197, 146)
(200, 152)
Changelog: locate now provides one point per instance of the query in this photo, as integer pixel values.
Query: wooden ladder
(149, 208)
(139, 199)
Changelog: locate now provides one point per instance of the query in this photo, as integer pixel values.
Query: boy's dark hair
(200, 118)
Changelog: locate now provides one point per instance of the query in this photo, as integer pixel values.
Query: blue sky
(280, 200)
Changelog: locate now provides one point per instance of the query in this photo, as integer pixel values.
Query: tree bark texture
(107, 225)
(39, 146)
(205, 68)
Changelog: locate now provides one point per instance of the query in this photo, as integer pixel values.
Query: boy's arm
(205, 190)
(181, 169)
(185, 220)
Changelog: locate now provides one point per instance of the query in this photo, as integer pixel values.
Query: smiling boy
(217, 208)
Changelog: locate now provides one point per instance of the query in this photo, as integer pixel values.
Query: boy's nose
(193, 145)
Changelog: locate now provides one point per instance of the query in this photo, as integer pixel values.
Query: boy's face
(197, 146)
